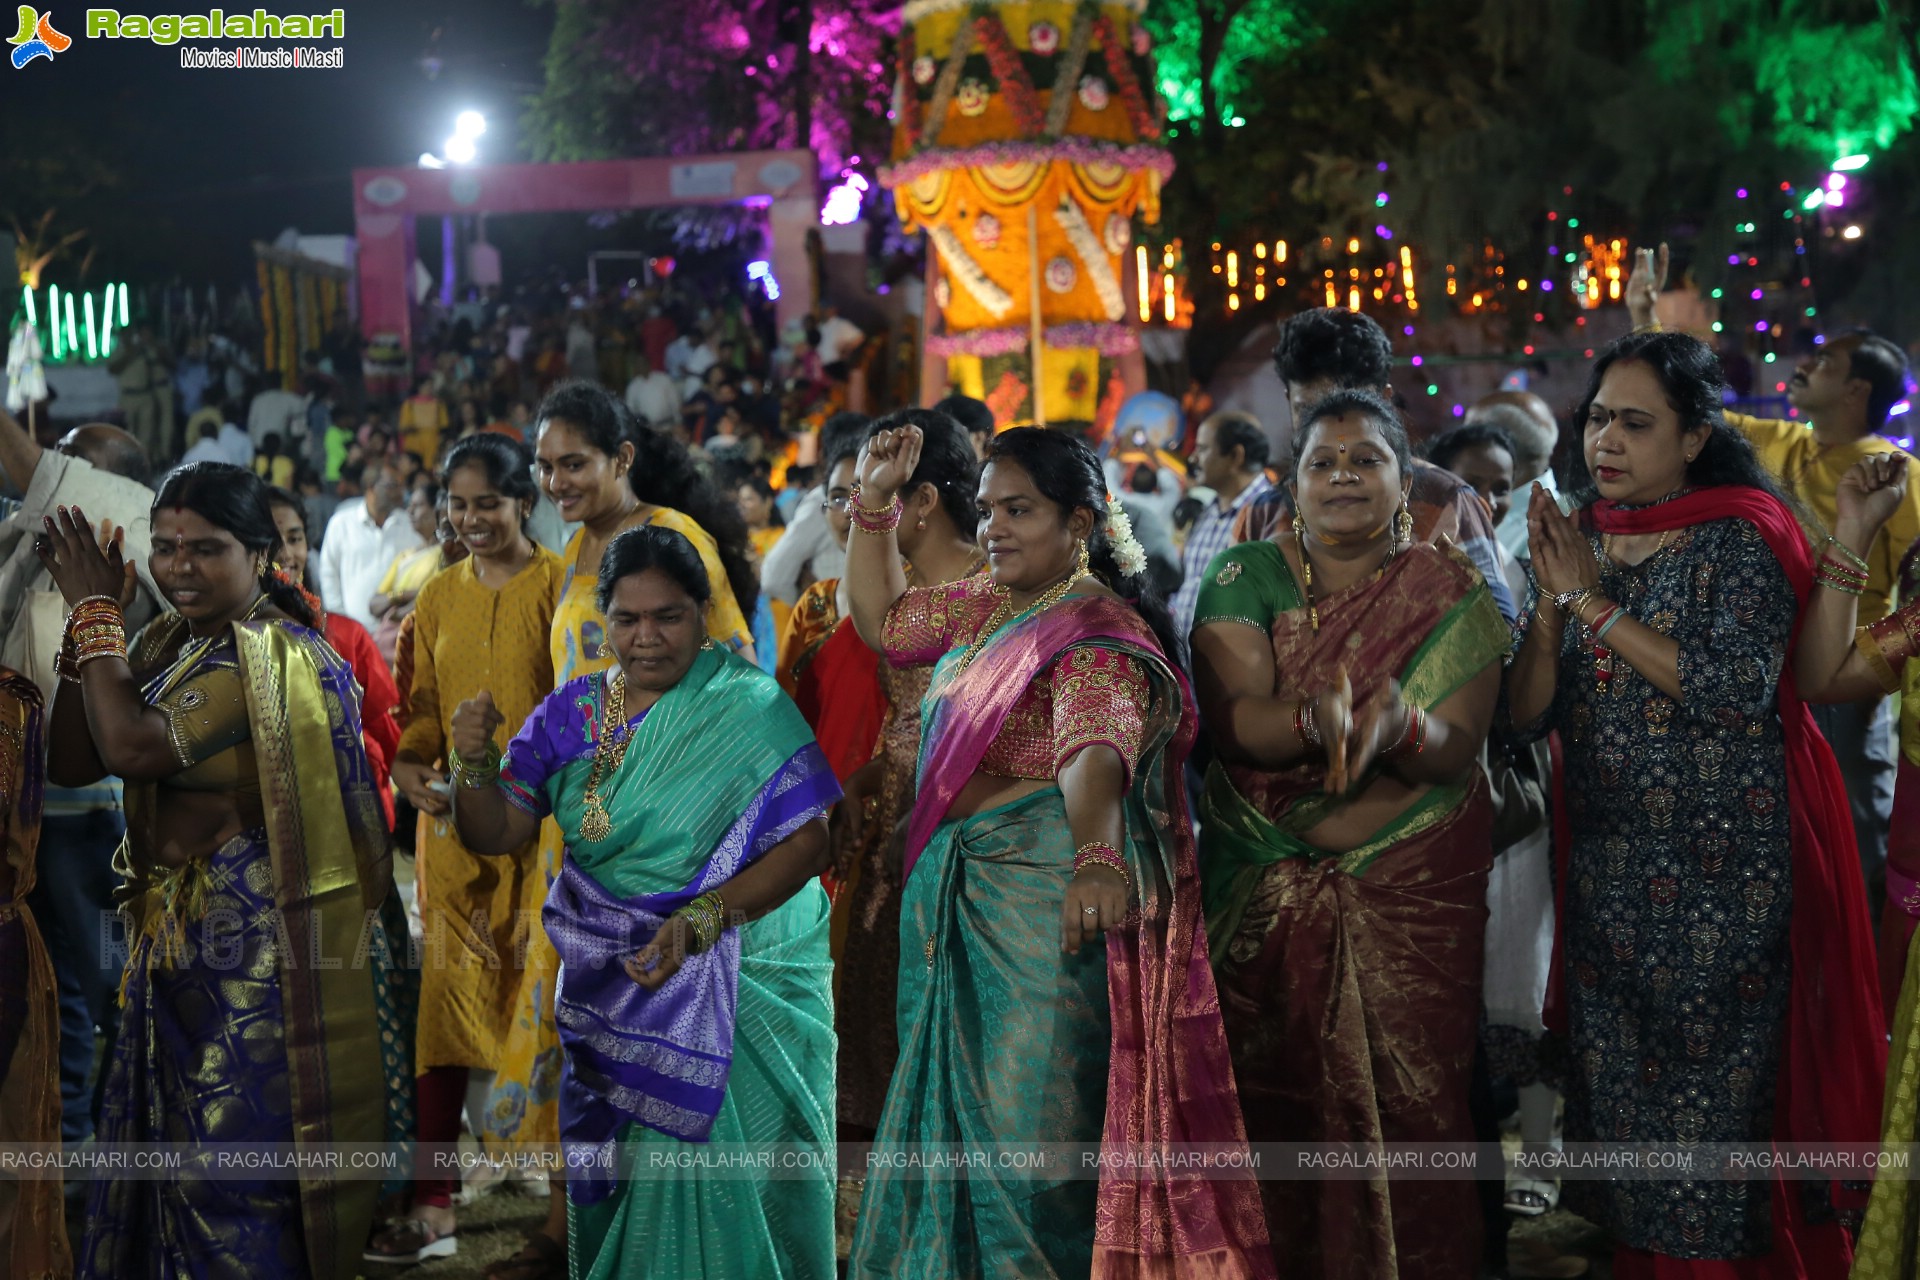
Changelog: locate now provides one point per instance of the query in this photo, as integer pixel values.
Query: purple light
(1459, 411)
(1381, 167)
(1546, 286)
(1553, 251)
(1733, 259)
(1757, 294)
(1759, 326)
(1899, 408)
(1383, 232)
(1417, 362)
(1819, 339)
(1408, 331)
(1741, 194)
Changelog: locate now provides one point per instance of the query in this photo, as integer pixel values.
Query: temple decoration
(1027, 136)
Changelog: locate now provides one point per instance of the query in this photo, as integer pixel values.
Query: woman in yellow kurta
(608, 475)
(482, 624)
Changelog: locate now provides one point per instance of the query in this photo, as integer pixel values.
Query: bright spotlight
(460, 149)
(469, 124)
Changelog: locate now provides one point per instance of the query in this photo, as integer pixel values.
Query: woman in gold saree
(1348, 676)
(254, 842)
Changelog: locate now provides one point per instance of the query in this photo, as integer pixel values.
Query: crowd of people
(912, 782)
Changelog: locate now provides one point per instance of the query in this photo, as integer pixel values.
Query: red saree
(1834, 1059)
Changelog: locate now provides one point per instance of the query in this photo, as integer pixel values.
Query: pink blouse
(1088, 695)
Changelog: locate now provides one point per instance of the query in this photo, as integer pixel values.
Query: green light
(1716, 326)
(86, 308)
(1573, 257)
(123, 304)
(106, 324)
(1717, 292)
(1770, 357)
(53, 315)
(1809, 313)
(1814, 200)
(1847, 164)
(26, 296)
(1573, 224)
(73, 330)
(1432, 390)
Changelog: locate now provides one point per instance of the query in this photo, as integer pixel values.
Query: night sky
(208, 161)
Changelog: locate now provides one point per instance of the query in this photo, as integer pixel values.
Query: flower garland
(1131, 156)
(1092, 256)
(1004, 59)
(1078, 43)
(1146, 123)
(997, 301)
(1107, 339)
(909, 95)
(943, 88)
(1127, 551)
(270, 349)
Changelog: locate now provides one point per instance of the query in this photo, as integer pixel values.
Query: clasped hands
(1563, 558)
(1355, 740)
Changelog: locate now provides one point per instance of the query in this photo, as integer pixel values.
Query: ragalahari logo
(37, 38)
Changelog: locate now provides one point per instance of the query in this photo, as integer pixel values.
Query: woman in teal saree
(694, 998)
(1053, 982)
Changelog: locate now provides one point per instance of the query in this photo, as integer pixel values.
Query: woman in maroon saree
(1715, 950)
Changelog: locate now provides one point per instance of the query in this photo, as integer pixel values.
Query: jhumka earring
(1086, 561)
(1403, 526)
(1299, 525)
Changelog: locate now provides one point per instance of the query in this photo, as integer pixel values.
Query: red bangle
(1416, 735)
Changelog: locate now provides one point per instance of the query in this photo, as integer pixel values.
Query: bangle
(95, 629)
(1888, 643)
(1098, 852)
(1416, 733)
(1572, 601)
(706, 918)
(475, 775)
(1858, 562)
(868, 520)
(1611, 617)
(1306, 721)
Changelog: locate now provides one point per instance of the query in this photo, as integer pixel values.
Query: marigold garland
(1145, 121)
(929, 159)
(270, 350)
(1108, 339)
(1004, 59)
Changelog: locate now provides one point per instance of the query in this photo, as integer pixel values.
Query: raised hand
(1644, 283)
(1563, 559)
(471, 731)
(886, 463)
(75, 558)
(1868, 495)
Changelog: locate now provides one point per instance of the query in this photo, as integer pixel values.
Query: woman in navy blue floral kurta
(1679, 886)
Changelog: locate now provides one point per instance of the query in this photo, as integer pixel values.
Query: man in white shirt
(361, 542)
(101, 470)
(237, 443)
(207, 448)
(277, 413)
(652, 395)
(839, 339)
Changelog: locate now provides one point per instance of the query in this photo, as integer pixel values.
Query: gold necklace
(1306, 567)
(595, 823)
(1005, 610)
(1606, 546)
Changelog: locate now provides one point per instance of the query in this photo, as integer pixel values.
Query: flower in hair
(1127, 551)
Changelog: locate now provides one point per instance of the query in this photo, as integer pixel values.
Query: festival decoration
(1026, 140)
(299, 297)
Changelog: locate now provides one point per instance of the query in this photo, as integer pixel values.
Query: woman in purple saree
(1054, 985)
(256, 853)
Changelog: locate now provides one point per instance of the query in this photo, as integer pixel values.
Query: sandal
(410, 1241)
(540, 1258)
(1531, 1197)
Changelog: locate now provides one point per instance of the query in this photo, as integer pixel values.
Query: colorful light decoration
(842, 206)
(86, 307)
(53, 314)
(762, 272)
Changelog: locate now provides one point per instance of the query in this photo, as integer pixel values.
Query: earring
(1085, 565)
(1403, 526)
(1299, 525)
(706, 646)
(921, 523)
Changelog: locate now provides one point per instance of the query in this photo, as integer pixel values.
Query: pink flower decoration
(1118, 233)
(925, 69)
(1061, 275)
(986, 231)
(1093, 93)
(1142, 41)
(1043, 37)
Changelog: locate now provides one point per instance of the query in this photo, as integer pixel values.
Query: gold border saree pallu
(237, 1027)
(1006, 1039)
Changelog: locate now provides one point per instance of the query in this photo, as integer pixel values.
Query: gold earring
(1085, 565)
(1299, 525)
(1403, 525)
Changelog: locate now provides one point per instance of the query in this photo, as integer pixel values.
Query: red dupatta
(1835, 1056)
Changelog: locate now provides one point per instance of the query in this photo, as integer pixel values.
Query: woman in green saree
(255, 846)
(1348, 676)
(693, 1000)
(1053, 981)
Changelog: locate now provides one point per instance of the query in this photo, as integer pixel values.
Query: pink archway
(386, 202)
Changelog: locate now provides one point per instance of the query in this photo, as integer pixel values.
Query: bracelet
(1602, 618)
(1572, 601)
(84, 601)
(1416, 734)
(475, 775)
(1306, 721)
(1098, 852)
(706, 918)
(1888, 643)
(65, 662)
(1859, 563)
(866, 520)
(1613, 616)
